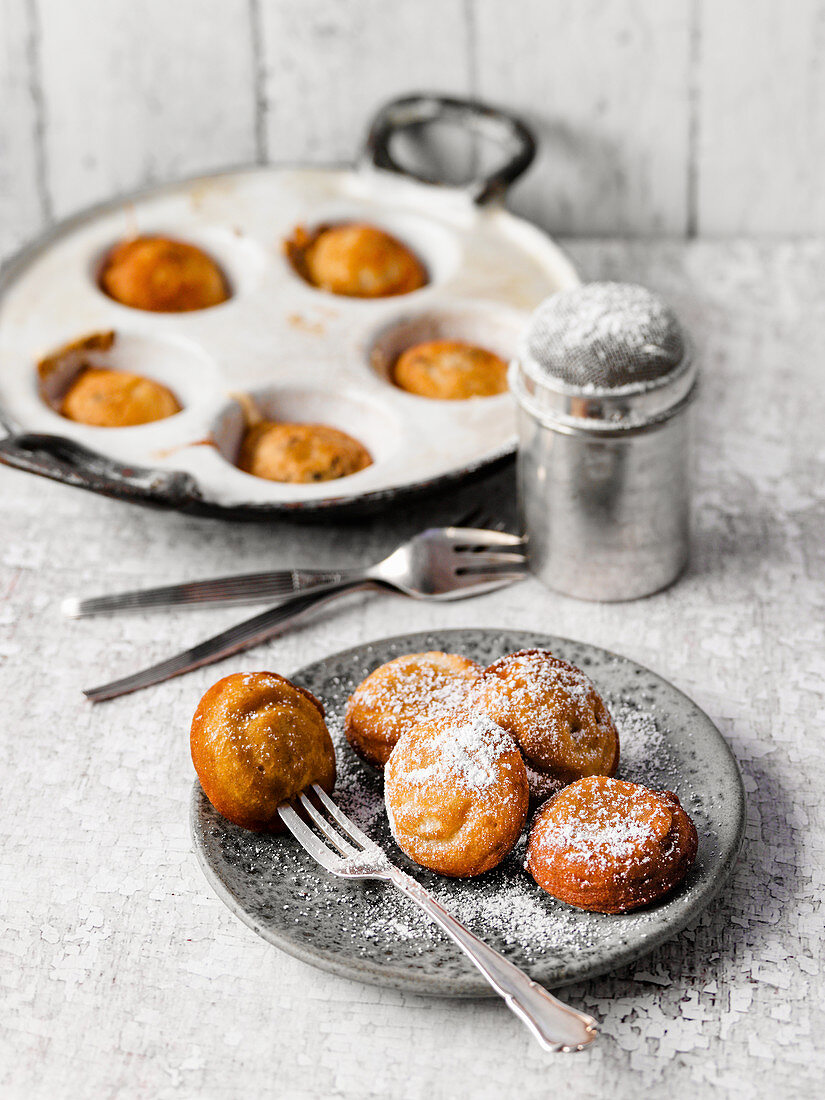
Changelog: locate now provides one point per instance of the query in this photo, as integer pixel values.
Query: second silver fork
(440, 564)
(425, 565)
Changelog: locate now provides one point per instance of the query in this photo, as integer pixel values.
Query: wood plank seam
(33, 59)
(259, 81)
(694, 119)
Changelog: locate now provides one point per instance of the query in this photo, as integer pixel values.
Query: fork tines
(340, 839)
(488, 553)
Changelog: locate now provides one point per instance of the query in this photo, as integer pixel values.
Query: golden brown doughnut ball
(300, 453)
(257, 741)
(456, 794)
(554, 713)
(609, 846)
(450, 371)
(400, 694)
(162, 275)
(355, 260)
(116, 399)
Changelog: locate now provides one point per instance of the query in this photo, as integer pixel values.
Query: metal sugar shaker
(603, 379)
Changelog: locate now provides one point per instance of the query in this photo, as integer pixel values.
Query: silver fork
(441, 564)
(344, 850)
(432, 551)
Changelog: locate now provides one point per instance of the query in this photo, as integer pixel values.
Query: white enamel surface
(306, 350)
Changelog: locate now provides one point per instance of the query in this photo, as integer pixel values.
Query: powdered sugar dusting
(505, 905)
(359, 790)
(372, 860)
(645, 755)
(604, 336)
(558, 698)
(603, 831)
(468, 751)
(543, 785)
(608, 311)
(405, 693)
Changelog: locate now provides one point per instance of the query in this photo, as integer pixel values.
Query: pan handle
(61, 459)
(480, 118)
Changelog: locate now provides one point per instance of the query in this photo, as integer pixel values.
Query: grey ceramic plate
(370, 932)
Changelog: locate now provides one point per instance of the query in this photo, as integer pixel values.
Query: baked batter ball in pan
(117, 399)
(450, 371)
(96, 395)
(456, 794)
(162, 276)
(258, 740)
(609, 846)
(355, 260)
(300, 453)
(402, 693)
(554, 713)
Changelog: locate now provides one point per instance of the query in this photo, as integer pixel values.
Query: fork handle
(241, 636)
(556, 1026)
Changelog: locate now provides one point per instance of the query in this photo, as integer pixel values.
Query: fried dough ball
(450, 371)
(554, 713)
(162, 275)
(609, 846)
(456, 794)
(258, 740)
(400, 694)
(116, 399)
(300, 453)
(355, 260)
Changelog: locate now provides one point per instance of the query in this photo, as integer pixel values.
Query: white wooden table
(123, 976)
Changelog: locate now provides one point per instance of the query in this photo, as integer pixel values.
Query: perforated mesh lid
(605, 351)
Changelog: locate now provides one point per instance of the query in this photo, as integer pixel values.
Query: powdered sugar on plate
(542, 784)
(644, 753)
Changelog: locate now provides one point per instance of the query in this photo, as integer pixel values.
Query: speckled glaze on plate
(367, 931)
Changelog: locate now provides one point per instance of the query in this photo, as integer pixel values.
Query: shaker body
(606, 514)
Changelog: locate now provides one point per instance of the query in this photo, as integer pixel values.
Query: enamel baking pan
(302, 353)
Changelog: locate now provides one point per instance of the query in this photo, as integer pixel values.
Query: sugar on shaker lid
(603, 356)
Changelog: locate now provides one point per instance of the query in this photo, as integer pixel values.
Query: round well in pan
(433, 245)
(240, 259)
(179, 365)
(370, 424)
(485, 325)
